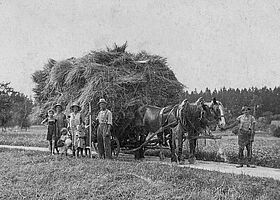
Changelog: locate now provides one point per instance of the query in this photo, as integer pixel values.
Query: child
(65, 141)
(93, 136)
(75, 119)
(51, 134)
(80, 140)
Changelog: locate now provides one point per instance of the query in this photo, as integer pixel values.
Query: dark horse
(151, 119)
(196, 118)
(171, 122)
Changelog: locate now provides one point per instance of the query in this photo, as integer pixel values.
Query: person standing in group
(65, 141)
(75, 120)
(61, 122)
(51, 124)
(246, 133)
(80, 142)
(104, 119)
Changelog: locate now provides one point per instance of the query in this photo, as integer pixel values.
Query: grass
(35, 175)
(266, 149)
(36, 136)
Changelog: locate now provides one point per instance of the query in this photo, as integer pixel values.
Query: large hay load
(124, 79)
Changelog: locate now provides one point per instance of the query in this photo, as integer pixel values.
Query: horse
(152, 119)
(219, 111)
(194, 124)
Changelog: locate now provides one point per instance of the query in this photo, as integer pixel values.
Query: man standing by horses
(246, 134)
(104, 118)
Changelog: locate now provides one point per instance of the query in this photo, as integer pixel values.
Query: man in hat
(246, 132)
(75, 120)
(61, 121)
(104, 118)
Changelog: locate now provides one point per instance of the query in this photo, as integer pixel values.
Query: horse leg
(192, 144)
(161, 153)
(142, 150)
(160, 137)
(180, 146)
(172, 145)
(139, 154)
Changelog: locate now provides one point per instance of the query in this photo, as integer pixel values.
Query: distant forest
(264, 101)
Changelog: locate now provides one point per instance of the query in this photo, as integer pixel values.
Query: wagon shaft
(214, 137)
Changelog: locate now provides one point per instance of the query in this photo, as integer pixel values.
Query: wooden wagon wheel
(115, 146)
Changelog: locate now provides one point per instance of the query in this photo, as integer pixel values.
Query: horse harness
(179, 116)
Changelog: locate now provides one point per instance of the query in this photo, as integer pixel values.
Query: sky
(207, 43)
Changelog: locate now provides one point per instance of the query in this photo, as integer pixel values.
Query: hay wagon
(119, 76)
(130, 142)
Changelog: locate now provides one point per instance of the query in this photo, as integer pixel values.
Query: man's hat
(56, 105)
(75, 105)
(244, 108)
(102, 101)
(63, 129)
(51, 110)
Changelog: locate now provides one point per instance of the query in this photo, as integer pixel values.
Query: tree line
(15, 107)
(263, 101)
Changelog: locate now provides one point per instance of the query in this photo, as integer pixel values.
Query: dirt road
(204, 165)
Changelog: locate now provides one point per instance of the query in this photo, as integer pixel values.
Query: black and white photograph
(140, 99)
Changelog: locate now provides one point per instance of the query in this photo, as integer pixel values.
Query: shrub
(275, 130)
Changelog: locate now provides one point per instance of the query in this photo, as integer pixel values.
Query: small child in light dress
(80, 140)
(65, 141)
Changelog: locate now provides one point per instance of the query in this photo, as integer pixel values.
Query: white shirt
(105, 116)
(246, 122)
(75, 119)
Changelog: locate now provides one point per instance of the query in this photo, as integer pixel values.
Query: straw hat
(245, 108)
(102, 101)
(50, 110)
(56, 105)
(63, 129)
(75, 105)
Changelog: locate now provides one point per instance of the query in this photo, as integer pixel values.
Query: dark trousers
(241, 158)
(104, 141)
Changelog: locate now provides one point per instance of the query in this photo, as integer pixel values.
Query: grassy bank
(35, 175)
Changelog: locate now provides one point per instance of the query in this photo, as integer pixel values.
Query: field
(266, 149)
(36, 136)
(36, 175)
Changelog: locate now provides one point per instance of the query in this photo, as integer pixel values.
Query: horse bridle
(202, 113)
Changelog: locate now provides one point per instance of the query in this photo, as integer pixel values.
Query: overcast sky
(208, 43)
